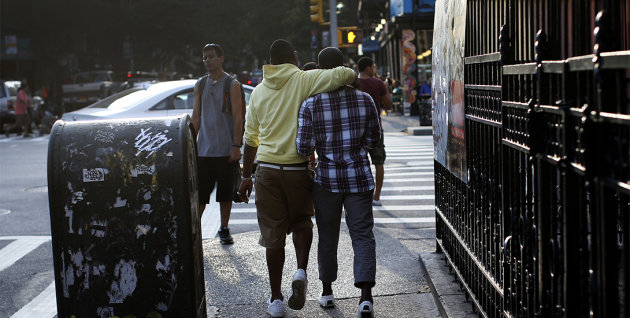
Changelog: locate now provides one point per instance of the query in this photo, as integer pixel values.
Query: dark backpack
(226, 107)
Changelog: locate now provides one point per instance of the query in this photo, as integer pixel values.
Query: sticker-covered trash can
(125, 218)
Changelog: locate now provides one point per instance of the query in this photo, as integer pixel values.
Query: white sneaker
(297, 298)
(376, 203)
(276, 308)
(327, 301)
(365, 310)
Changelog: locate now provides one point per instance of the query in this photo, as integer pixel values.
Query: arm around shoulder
(327, 80)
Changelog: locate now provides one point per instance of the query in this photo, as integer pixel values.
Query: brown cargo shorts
(284, 201)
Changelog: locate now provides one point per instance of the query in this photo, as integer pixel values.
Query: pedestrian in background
(284, 201)
(309, 66)
(22, 103)
(425, 90)
(342, 125)
(219, 135)
(376, 88)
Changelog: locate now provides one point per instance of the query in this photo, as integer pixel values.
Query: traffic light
(349, 36)
(317, 11)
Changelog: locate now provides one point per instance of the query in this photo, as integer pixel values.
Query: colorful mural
(409, 66)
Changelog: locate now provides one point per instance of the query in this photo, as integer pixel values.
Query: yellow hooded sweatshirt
(272, 114)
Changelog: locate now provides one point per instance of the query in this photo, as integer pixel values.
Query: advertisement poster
(449, 138)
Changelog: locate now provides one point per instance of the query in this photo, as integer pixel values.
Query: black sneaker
(224, 236)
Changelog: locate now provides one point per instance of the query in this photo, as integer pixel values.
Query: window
(183, 101)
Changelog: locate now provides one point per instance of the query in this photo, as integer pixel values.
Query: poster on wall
(409, 67)
(449, 138)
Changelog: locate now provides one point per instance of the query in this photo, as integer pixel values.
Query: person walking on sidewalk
(382, 98)
(284, 202)
(342, 125)
(22, 103)
(219, 130)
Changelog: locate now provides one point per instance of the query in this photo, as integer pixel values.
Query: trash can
(125, 218)
(425, 113)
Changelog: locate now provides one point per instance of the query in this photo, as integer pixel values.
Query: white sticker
(93, 175)
(142, 169)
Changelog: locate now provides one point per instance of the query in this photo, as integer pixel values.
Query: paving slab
(237, 284)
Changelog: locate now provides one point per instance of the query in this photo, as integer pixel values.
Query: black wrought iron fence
(542, 226)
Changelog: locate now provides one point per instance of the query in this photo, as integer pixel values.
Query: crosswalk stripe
(408, 197)
(420, 163)
(407, 188)
(408, 146)
(430, 173)
(425, 167)
(425, 207)
(388, 180)
(376, 220)
(412, 151)
(409, 157)
(211, 218)
(403, 220)
(19, 248)
(42, 306)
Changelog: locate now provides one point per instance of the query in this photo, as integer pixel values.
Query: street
(26, 269)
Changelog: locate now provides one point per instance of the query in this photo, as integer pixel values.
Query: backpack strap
(227, 97)
(227, 100)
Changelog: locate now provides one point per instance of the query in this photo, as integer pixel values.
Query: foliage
(164, 35)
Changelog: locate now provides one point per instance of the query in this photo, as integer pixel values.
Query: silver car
(158, 100)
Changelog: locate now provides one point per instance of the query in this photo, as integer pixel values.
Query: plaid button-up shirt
(341, 126)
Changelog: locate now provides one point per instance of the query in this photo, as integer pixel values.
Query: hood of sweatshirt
(275, 76)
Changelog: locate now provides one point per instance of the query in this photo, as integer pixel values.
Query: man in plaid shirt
(342, 126)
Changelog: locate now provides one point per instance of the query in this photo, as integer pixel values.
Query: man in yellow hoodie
(284, 201)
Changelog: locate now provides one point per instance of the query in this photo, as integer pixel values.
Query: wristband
(243, 179)
(237, 145)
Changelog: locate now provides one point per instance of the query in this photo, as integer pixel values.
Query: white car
(158, 100)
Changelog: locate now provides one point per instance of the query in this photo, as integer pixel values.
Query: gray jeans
(360, 222)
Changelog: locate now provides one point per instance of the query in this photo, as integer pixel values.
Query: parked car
(158, 100)
(89, 87)
(140, 79)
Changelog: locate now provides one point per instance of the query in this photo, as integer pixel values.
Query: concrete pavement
(237, 284)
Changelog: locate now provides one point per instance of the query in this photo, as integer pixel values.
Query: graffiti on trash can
(150, 142)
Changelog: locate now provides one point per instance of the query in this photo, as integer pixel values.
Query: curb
(449, 298)
(420, 131)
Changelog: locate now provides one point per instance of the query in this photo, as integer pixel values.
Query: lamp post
(333, 23)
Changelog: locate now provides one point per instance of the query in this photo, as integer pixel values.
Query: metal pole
(333, 23)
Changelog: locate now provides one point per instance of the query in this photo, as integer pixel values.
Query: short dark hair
(365, 62)
(330, 57)
(281, 52)
(309, 66)
(218, 50)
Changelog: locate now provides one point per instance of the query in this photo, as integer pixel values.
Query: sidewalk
(395, 122)
(236, 277)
